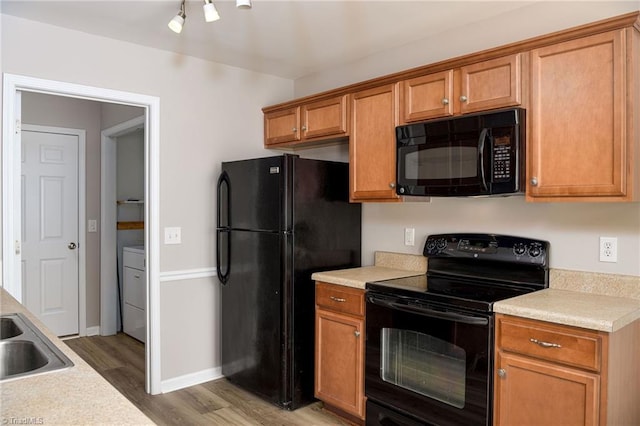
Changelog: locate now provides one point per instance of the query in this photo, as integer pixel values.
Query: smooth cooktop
(468, 294)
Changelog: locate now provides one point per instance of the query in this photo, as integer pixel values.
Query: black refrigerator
(279, 220)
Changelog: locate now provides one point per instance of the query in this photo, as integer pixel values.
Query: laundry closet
(130, 230)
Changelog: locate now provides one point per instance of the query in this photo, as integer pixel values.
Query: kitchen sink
(9, 328)
(25, 350)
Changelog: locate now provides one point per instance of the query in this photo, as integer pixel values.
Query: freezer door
(251, 194)
(252, 315)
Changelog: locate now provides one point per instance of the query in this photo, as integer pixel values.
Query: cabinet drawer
(133, 260)
(134, 287)
(562, 344)
(340, 299)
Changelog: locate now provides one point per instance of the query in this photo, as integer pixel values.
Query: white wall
(572, 229)
(208, 113)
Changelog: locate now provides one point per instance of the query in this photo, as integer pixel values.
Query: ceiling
(290, 39)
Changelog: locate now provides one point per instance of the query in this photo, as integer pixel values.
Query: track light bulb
(210, 12)
(243, 4)
(177, 21)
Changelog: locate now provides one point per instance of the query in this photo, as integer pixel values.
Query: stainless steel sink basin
(25, 351)
(9, 328)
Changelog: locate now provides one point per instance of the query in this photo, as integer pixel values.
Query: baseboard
(93, 331)
(190, 379)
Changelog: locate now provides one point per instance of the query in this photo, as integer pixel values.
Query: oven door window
(424, 364)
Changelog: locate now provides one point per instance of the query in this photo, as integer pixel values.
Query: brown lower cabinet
(560, 375)
(339, 353)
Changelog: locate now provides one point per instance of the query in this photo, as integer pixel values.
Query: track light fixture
(243, 4)
(177, 21)
(210, 13)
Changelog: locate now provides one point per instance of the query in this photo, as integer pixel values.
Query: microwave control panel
(502, 158)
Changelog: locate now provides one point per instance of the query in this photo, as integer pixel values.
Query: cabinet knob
(502, 373)
(463, 98)
(294, 129)
(304, 128)
(445, 101)
(357, 333)
(534, 181)
(392, 185)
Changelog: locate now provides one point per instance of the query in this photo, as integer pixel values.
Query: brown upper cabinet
(584, 119)
(372, 148)
(477, 87)
(308, 122)
(580, 88)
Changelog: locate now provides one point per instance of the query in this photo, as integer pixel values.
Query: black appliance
(429, 347)
(279, 220)
(476, 154)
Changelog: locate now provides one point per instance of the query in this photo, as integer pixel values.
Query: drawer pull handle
(136, 277)
(337, 299)
(545, 344)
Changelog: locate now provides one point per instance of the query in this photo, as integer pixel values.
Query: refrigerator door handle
(224, 180)
(223, 277)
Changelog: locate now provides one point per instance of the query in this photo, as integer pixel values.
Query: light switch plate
(93, 225)
(172, 235)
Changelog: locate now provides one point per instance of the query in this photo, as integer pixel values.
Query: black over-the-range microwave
(471, 155)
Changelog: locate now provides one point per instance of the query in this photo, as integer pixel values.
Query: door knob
(72, 246)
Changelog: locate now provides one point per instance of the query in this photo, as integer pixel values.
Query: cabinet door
(491, 84)
(530, 392)
(425, 97)
(340, 361)
(282, 126)
(577, 145)
(372, 148)
(325, 118)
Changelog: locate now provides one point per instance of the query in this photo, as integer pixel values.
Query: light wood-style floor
(120, 359)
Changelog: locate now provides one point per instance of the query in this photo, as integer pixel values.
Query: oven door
(444, 158)
(426, 363)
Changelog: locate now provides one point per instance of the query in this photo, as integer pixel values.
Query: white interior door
(50, 259)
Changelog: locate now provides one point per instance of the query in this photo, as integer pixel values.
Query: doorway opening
(13, 87)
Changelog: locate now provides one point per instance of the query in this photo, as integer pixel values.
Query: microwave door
(443, 169)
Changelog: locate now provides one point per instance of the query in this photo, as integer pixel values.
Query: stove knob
(441, 244)
(519, 249)
(431, 245)
(535, 251)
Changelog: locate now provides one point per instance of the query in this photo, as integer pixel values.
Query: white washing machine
(134, 319)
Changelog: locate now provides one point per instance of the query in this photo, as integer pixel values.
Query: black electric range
(429, 346)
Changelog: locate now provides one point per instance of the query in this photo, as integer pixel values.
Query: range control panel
(488, 247)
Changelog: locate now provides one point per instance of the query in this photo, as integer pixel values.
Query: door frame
(108, 220)
(13, 85)
(82, 259)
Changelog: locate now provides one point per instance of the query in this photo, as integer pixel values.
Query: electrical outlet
(608, 249)
(409, 236)
(172, 235)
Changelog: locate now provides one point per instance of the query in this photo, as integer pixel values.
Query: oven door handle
(428, 312)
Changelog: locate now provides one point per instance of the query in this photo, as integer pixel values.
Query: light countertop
(603, 302)
(387, 266)
(579, 309)
(76, 395)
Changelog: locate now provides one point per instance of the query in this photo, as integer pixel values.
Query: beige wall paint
(209, 113)
(573, 229)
